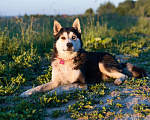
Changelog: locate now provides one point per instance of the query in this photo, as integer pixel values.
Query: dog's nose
(69, 45)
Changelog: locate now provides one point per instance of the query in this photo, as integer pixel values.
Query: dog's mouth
(68, 50)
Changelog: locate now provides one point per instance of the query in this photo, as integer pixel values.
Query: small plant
(142, 108)
(9, 87)
(57, 113)
(45, 78)
(137, 83)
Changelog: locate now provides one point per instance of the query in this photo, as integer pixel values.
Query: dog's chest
(65, 70)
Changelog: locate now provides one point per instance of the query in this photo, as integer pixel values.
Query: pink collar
(62, 61)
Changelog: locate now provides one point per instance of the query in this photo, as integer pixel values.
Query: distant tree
(106, 8)
(58, 16)
(128, 3)
(125, 7)
(142, 8)
(89, 12)
(130, 7)
(26, 16)
(38, 16)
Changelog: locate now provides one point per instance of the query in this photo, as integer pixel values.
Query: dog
(74, 68)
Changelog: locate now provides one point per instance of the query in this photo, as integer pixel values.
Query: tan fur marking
(57, 27)
(115, 74)
(76, 25)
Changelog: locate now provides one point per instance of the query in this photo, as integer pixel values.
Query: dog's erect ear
(76, 25)
(57, 27)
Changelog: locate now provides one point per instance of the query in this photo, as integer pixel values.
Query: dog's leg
(113, 73)
(68, 88)
(45, 87)
(42, 88)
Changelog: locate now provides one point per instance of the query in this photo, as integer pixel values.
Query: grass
(25, 54)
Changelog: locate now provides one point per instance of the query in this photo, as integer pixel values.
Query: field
(26, 46)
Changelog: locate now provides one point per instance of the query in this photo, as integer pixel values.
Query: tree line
(128, 7)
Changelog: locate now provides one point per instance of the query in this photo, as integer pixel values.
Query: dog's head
(67, 40)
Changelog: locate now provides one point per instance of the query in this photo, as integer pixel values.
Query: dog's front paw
(120, 80)
(26, 94)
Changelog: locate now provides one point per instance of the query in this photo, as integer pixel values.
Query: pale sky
(49, 7)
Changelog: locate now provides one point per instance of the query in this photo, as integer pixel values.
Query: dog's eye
(73, 37)
(63, 38)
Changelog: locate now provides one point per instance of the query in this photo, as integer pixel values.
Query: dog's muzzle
(69, 46)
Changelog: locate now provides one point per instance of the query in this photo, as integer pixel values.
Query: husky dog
(73, 67)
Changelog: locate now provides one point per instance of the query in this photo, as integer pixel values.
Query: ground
(122, 95)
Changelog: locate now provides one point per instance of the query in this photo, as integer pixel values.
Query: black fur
(88, 62)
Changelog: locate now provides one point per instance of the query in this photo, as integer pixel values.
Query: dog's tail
(133, 71)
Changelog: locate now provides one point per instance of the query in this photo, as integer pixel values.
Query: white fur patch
(64, 73)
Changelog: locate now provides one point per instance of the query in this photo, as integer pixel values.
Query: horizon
(50, 7)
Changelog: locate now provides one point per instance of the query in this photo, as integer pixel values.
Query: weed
(142, 108)
(57, 113)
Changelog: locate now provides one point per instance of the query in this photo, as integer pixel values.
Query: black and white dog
(73, 68)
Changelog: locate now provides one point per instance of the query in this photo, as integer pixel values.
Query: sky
(50, 7)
